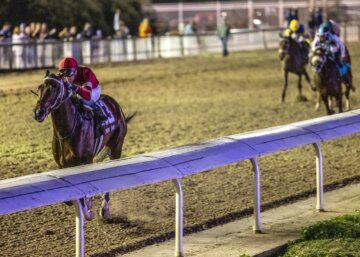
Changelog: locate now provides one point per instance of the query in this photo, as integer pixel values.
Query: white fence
(72, 184)
(32, 55)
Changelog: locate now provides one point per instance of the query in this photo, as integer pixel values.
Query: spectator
(87, 31)
(29, 49)
(295, 15)
(311, 24)
(145, 28)
(188, 29)
(17, 48)
(223, 33)
(117, 21)
(36, 28)
(123, 31)
(64, 34)
(288, 18)
(73, 35)
(5, 32)
(318, 18)
(44, 32)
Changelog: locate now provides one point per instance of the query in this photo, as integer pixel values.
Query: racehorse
(294, 60)
(76, 139)
(327, 79)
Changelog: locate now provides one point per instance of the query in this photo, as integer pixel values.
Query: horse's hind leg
(285, 86)
(347, 100)
(104, 209)
(339, 102)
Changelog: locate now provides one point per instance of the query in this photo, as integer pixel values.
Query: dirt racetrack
(179, 101)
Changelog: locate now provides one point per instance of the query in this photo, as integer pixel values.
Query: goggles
(67, 72)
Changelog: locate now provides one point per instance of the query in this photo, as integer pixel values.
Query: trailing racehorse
(294, 59)
(327, 80)
(77, 139)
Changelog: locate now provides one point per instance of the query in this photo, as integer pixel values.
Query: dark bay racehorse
(294, 59)
(327, 80)
(75, 141)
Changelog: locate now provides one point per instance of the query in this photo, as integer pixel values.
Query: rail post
(179, 219)
(319, 179)
(257, 200)
(80, 241)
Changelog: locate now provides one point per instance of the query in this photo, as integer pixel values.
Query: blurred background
(37, 33)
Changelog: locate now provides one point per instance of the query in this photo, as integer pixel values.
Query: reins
(59, 101)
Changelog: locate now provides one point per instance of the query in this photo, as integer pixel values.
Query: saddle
(102, 127)
(106, 126)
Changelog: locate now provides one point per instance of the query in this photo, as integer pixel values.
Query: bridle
(323, 58)
(64, 94)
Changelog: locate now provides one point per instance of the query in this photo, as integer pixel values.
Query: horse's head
(52, 94)
(318, 60)
(284, 46)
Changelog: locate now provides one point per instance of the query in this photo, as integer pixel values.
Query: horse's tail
(128, 118)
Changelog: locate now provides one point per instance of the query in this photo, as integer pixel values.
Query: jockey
(84, 83)
(334, 48)
(295, 31)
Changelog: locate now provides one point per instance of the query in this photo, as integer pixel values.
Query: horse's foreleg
(325, 99)
(285, 86)
(87, 206)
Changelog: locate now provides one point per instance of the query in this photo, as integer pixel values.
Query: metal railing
(72, 184)
(46, 54)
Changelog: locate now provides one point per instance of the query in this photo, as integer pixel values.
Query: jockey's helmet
(68, 66)
(325, 32)
(294, 25)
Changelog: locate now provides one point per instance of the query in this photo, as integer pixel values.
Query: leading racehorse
(294, 59)
(76, 136)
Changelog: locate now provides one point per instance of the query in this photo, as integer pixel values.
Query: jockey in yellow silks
(295, 31)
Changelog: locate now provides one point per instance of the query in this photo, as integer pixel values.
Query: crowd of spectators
(40, 31)
(17, 40)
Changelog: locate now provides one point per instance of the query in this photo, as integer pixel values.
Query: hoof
(87, 206)
(105, 210)
(301, 98)
(89, 215)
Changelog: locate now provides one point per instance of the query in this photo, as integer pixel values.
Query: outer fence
(48, 53)
(72, 184)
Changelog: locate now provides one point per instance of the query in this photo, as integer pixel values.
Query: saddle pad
(108, 125)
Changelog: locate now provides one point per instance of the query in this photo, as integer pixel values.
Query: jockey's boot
(99, 114)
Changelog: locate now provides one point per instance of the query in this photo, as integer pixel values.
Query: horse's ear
(47, 73)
